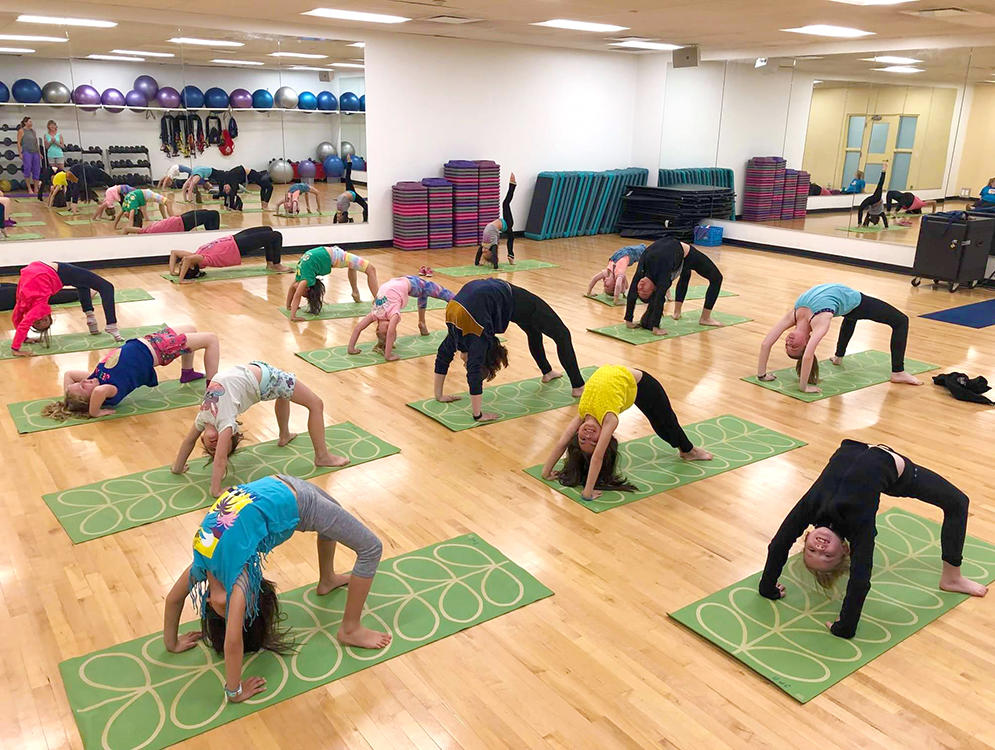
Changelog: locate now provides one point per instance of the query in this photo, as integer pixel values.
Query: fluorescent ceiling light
(31, 38)
(636, 44)
(354, 15)
(566, 23)
(347, 65)
(302, 55)
(57, 21)
(204, 42)
(357, 44)
(141, 53)
(900, 69)
(823, 29)
(873, 2)
(892, 60)
(306, 67)
(120, 58)
(236, 62)
(15, 51)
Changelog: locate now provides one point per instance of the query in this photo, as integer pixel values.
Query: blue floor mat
(977, 315)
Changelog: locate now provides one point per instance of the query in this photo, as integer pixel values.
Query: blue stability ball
(359, 163)
(307, 100)
(362, 103)
(26, 91)
(192, 97)
(334, 168)
(4, 92)
(262, 99)
(327, 101)
(215, 98)
(349, 102)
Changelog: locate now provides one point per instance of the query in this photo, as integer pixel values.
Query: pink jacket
(38, 282)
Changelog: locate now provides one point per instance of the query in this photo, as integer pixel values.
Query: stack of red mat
(488, 194)
(765, 179)
(410, 204)
(440, 211)
(464, 175)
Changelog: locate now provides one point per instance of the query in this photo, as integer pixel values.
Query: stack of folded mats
(714, 176)
(765, 185)
(787, 197)
(464, 176)
(801, 194)
(410, 201)
(654, 212)
(488, 194)
(440, 211)
(572, 204)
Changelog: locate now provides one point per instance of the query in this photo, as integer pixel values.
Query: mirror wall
(189, 119)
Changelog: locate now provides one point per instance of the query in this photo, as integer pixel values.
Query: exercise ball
(362, 103)
(4, 92)
(281, 171)
(240, 99)
(307, 101)
(192, 97)
(307, 169)
(262, 99)
(136, 100)
(346, 149)
(113, 100)
(327, 101)
(324, 150)
(349, 102)
(359, 163)
(27, 91)
(147, 86)
(216, 98)
(285, 98)
(54, 92)
(334, 168)
(168, 97)
(84, 94)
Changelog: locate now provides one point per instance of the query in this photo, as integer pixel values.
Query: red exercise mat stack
(410, 203)
(763, 175)
(440, 211)
(790, 189)
(801, 197)
(464, 175)
(488, 194)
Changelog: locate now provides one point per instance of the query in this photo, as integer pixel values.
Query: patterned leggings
(423, 289)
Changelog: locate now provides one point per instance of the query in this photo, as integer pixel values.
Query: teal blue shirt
(836, 298)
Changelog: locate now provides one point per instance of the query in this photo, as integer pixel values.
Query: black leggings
(870, 200)
(697, 261)
(900, 199)
(8, 296)
(86, 281)
(266, 239)
(509, 221)
(652, 401)
(357, 198)
(198, 217)
(920, 483)
(880, 312)
(536, 318)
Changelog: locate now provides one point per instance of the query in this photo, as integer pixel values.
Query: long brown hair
(813, 376)
(264, 631)
(315, 296)
(495, 359)
(577, 463)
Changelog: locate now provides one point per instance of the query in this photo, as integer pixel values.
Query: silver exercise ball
(324, 150)
(54, 92)
(347, 149)
(285, 98)
(281, 171)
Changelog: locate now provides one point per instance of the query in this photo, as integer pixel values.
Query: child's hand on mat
(830, 625)
(250, 686)
(353, 350)
(184, 470)
(767, 377)
(780, 589)
(811, 389)
(186, 641)
(105, 412)
(447, 398)
(215, 490)
(554, 474)
(392, 358)
(22, 353)
(594, 495)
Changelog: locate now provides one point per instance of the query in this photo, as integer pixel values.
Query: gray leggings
(321, 512)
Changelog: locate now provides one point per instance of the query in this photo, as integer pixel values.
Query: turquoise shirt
(836, 298)
(202, 172)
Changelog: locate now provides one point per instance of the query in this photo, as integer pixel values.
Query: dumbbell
(8, 141)
(13, 169)
(9, 153)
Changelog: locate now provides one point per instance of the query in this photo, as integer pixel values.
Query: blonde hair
(72, 407)
(827, 578)
(50, 123)
(813, 376)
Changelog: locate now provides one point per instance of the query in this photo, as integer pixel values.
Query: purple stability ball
(240, 99)
(113, 100)
(168, 98)
(307, 169)
(85, 94)
(136, 100)
(147, 86)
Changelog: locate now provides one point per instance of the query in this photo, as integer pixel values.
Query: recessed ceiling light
(357, 44)
(873, 2)
(354, 15)
(900, 69)
(347, 65)
(32, 38)
(236, 62)
(57, 21)
(302, 55)
(566, 23)
(636, 44)
(811, 57)
(15, 51)
(142, 53)
(892, 60)
(824, 29)
(120, 58)
(307, 67)
(816, 81)
(204, 42)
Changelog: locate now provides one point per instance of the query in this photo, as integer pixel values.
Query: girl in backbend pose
(137, 200)
(391, 299)
(492, 231)
(113, 198)
(350, 196)
(319, 261)
(811, 316)
(185, 222)
(907, 202)
(613, 275)
(589, 441)
(228, 251)
(873, 204)
(238, 608)
(291, 201)
(842, 506)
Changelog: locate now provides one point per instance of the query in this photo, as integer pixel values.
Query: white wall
(692, 112)
(651, 89)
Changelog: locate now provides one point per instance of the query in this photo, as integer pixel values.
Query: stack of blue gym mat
(715, 176)
(674, 211)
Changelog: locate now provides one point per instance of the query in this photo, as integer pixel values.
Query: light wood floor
(599, 665)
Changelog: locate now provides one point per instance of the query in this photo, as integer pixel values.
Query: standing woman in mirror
(319, 261)
(54, 145)
(350, 196)
(27, 148)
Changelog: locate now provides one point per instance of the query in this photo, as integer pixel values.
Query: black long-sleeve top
(844, 498)
(479, 311)
(661, 263)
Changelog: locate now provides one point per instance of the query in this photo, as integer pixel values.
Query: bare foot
(284, 440)
(338, 580)
(676, 316)
(423, 329)
(904, 377)
(363, 637)
(280, 268)
(709, 321)
(511, 261)
(355, 296)
(697, 454)
(958, 584)
(512, 178)
(330, 459)
(551, 375)
(837, 361)
(577, 392)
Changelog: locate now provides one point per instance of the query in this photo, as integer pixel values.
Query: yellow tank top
(611, 388)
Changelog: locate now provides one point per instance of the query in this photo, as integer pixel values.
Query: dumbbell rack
(9, 154)
(133, 179)
(71, 150)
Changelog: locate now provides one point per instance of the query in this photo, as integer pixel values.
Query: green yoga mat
(510, 400)
(25, 236)
(19, 214)
(78, 342)
(655, 467)
(858, 371)
(334, 311)
(694, 293)
(137, 694)
(170, 394)
(253, 210)
(226, 274)
(77, 222)
(675, 328)
(337, 358)
(869, 230)
(31, 223)
(489, 270)
(787, 641)
(120, 295)
(113, 505)
(303, 215)
(65, 212)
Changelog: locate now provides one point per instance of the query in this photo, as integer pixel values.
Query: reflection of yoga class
(524, 392)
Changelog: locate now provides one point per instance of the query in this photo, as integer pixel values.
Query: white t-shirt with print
(231, 392)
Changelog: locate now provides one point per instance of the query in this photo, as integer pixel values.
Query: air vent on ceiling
(939, 13)
(958, 16)
(453, 20)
